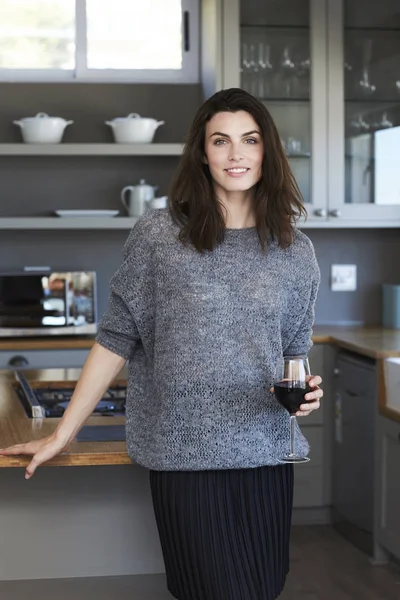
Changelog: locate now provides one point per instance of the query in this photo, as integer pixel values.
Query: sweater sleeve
(300, 316)
(301, 341)
(118, 330)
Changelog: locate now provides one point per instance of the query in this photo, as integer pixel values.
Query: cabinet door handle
(336, 372)
(320, 212)
(186, 31)
(351, 394)
(18, 361)
(335, 212)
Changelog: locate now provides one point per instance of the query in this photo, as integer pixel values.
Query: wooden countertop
(16, 427)
(47, 343)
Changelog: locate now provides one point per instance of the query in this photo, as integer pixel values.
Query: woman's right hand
(42, 450)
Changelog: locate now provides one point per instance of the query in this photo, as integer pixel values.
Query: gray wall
(375, 252)
(39, 185)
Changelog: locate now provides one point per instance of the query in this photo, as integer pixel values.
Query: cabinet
(310, 485)
(388, 485)
(364, 110)
(354, 447)
(327, 71)
(277, 51)
(42, 359)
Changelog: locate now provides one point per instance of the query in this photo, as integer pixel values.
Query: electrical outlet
(344, 278)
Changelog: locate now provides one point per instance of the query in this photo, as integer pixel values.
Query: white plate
(87, 213)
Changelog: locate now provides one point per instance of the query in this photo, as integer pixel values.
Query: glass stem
(292, 430)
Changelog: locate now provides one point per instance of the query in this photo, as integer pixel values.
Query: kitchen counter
(374, 342)
(16, 427)
(47, 343)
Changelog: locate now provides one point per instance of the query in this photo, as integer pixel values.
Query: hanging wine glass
(303, 73)
(304, 67)
(385, 122)
(359, 124)
(366, 87)
(265, 69)
(253, 69)
(287, 68)
(245, 67)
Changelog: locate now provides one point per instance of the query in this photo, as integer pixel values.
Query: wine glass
(265, 69)
(287, 68)
(290, 386)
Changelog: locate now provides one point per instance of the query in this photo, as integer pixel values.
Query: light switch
(344, 278)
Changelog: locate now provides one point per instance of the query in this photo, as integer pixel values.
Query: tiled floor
(323, 567)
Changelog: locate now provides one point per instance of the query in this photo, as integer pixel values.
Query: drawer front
(308, 486)
(315, 437)
(42, 359)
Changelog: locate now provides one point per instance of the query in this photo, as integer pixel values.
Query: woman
(211, 292)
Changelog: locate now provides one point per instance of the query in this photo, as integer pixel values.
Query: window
(99, 40)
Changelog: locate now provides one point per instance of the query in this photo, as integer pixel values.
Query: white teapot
(136, 197)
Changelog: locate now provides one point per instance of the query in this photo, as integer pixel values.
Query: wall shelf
(126, 223)
(21, 149)
(40, 223)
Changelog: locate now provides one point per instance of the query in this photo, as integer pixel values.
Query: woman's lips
(237, 171)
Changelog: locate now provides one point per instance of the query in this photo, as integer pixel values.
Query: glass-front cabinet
(329, 73)
(364, 110)
(282, 61)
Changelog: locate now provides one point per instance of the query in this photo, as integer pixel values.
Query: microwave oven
(48, 303)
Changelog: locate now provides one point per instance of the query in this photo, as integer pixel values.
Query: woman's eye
(251, 141)
(219, 142)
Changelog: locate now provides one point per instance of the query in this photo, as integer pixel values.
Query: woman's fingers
(46, 453)
(306, 409)
(315, 381)
(315, 394)
(42, 450)
(28, 448)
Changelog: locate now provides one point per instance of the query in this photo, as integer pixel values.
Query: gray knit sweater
(202, 333)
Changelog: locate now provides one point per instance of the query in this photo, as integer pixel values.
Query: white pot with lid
(134, 129)
(42, 129)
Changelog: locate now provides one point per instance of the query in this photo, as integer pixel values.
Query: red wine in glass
(289, 396)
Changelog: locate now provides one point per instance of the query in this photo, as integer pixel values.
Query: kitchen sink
(392, 382)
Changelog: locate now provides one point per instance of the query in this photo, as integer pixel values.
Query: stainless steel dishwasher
(353, 452)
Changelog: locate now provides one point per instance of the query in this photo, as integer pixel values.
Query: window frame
(190, 72)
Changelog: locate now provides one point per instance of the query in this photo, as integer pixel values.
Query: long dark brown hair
(192, 202)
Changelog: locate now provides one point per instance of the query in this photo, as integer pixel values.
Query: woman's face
(233, 151)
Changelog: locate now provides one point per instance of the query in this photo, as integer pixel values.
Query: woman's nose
(235, 154)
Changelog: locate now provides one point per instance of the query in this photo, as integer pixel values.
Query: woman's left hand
(312, 397)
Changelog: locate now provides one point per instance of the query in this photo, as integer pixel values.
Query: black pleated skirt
(224, 534)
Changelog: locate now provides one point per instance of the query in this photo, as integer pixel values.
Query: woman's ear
(205, 160)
